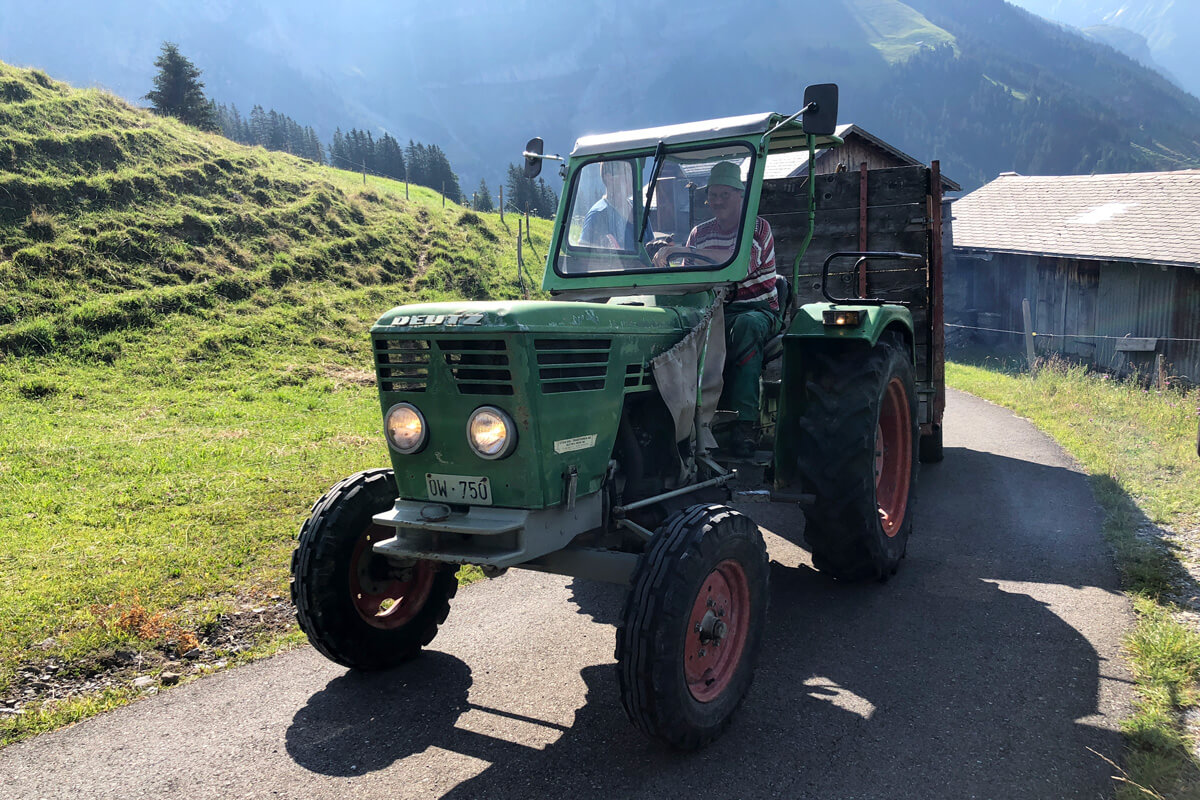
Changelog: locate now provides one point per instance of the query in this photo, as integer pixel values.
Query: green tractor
(581, 436)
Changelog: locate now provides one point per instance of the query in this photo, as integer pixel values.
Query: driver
(753, 316)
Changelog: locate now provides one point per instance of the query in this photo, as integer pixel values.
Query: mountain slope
(1168, 26)
(479, 80)
(1033, 97)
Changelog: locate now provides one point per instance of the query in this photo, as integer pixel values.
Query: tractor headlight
(842, 319)
(405, 428)
(491, 433)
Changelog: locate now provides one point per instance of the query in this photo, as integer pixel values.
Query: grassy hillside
(894, 29)
(184, 368)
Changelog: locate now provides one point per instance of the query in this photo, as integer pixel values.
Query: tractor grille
(636, 376)
(402, 365)
(479, 366)
(572, 365)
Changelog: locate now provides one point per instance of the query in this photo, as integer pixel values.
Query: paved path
(986, 668)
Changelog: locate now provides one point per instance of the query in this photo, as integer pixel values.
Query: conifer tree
(178, 91)
(483, 197)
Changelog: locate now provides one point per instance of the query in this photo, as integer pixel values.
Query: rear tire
(859, 436)
(357, 608)
(692, 625)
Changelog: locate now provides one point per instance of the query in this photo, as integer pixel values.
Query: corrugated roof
(1149, 217)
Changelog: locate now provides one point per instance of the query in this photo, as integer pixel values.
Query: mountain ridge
(480, 82)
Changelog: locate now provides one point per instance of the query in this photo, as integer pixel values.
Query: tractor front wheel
(692, 625)
(358, 608)
(859, 446)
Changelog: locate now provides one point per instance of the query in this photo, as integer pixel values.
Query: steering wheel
(703, 258)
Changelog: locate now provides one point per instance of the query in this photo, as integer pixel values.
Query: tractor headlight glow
(842, 319)
(405, 428)
(491, 433)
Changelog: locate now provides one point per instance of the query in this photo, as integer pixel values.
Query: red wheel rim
(384, 595)
(893, 458)
(717, 630)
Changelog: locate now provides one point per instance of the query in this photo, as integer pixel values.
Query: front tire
(692, 625)
(357, 608)
(859, 436)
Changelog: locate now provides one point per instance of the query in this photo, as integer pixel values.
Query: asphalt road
(986, 668)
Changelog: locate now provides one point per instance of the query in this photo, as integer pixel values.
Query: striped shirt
(759, 285)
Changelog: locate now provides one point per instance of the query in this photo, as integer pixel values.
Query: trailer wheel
(859, 445)
(692, 625)
(359, 609)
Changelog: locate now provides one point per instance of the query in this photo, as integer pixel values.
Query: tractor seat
(773, 349)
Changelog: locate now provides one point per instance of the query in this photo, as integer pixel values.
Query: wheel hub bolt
(711, 629)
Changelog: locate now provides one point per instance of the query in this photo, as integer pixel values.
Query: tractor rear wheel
(692, 625)
(358, 608)
(859, 436)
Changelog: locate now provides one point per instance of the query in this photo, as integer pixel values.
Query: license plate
(474, 491)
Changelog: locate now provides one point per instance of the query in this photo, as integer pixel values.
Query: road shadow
(365, 721)
(968, 674)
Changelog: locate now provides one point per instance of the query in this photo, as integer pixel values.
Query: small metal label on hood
(577, 443)
(436, 319)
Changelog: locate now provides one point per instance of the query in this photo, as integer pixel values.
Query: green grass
(184, 362)
(1138, 445)
(897, 31)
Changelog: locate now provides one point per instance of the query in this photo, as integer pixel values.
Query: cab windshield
(697, 203)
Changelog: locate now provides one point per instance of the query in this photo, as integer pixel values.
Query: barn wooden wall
(1080, 301)
(854, 152)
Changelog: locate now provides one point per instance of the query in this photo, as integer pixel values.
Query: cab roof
(789, 137)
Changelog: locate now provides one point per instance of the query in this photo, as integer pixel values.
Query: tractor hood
(533, 316)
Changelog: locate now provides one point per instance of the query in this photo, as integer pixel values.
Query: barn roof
(1146, 217)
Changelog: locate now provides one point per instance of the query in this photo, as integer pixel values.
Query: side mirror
(822, 101)
(533, 162)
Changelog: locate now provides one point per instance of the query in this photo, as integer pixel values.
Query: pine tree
(483, 198)
(547, 200)
(260, 132)
(178, 91)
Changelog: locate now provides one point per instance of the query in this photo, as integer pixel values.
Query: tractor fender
(875, 320)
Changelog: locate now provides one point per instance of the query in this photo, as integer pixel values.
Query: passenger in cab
(609, 222)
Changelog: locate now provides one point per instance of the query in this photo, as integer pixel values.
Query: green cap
(726, 173)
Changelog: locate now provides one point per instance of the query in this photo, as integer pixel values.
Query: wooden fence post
(502, 204)
(520, 260)
(1030, 355)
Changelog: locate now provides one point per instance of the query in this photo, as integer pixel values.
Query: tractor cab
(630, 196)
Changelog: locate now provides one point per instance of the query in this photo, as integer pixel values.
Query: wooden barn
(1110, 265)
(860, 147)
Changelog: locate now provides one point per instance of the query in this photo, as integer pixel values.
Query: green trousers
(746, 333)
